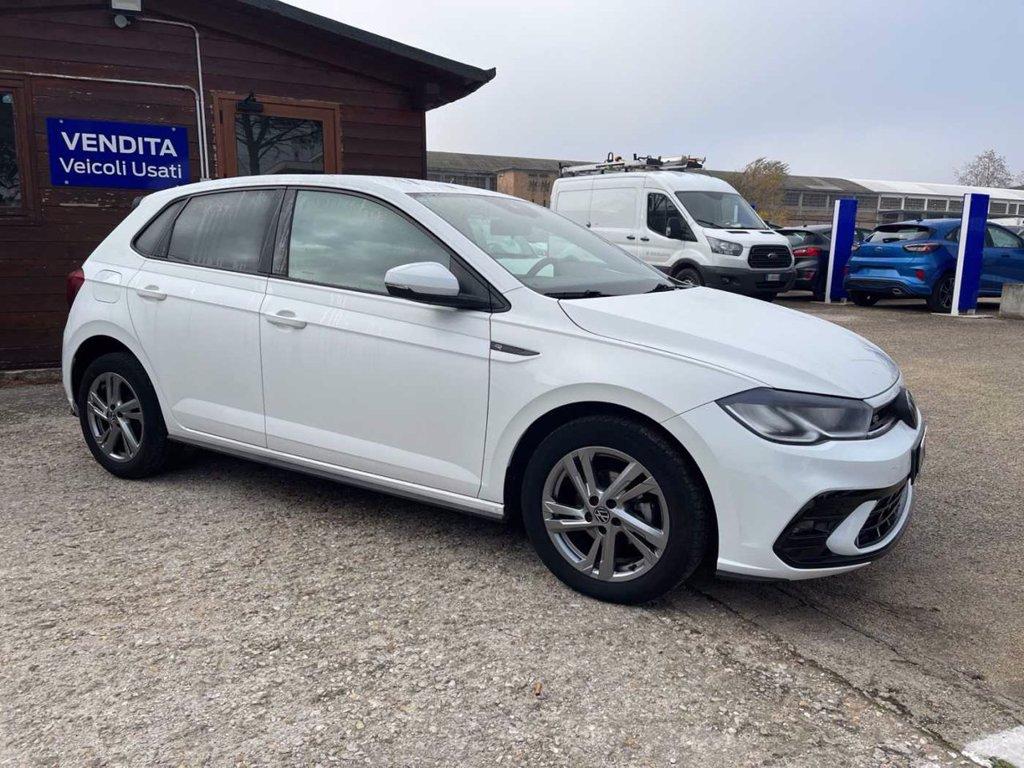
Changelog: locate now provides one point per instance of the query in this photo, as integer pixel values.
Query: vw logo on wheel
(602, 515)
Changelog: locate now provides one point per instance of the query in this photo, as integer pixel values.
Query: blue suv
(918, 259)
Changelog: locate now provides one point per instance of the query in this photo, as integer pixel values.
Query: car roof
(678, 181)
(933, 223)
(379, 185)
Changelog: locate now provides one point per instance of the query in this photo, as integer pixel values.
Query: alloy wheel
(946, 293)
(115, 417)
(605, 513)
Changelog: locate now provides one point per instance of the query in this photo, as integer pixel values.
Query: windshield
(543, 250)
(721, 210)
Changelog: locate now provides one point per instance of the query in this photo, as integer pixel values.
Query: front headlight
(797, 417)
(725, 247)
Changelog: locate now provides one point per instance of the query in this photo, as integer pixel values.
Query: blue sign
(967, 282)
(844, 223)
(98, 153)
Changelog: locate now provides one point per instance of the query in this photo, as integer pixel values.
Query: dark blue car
(918, 259)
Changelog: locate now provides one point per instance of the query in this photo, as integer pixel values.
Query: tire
(941, 298)
(675, 511)
(116, 380)
(689, 274)
(862, 299)
(765, 296)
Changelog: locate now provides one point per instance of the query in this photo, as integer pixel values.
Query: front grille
(802, 543)
(769, 257)
(882, 520)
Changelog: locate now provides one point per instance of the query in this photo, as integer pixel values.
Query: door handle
(631, 237)
(151, 292)
(286, 318)
(645, 239)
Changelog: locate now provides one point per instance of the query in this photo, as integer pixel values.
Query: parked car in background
(386, 333)
(918, 259)
(694, 227)
(812, 244)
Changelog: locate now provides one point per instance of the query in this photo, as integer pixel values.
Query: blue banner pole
(970, 252)
(844, 223)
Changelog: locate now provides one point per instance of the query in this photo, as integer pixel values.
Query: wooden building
(100, 102)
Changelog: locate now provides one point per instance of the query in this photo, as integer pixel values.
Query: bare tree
(763, 183)
(988, 169)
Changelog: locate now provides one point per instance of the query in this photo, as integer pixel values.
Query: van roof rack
(615, 164)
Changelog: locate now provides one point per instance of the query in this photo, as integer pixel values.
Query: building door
(260, 136)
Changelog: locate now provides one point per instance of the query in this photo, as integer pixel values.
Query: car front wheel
(615, 510)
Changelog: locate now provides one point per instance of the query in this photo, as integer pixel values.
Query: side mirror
(421, 281)
(674, 228)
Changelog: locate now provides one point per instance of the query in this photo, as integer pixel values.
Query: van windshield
(720, 210)
(543, 250)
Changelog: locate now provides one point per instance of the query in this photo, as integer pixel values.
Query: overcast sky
(887, 89)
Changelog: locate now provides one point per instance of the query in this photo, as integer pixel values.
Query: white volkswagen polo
(473, 350)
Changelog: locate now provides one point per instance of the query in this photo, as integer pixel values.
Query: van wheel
(862, 299)
(614, 510)
(941, 297)
(690, 275)
(120, 417)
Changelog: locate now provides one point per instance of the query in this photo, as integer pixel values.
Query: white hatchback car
(473, 350)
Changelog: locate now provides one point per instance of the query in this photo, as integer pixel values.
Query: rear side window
(225, 230)
(152, 241)
(895, 233)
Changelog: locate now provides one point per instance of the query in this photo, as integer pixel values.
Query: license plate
(917, 459)
(773, 278)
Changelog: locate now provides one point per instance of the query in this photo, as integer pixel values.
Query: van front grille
(770, 257)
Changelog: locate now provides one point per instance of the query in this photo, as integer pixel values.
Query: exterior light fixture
(126, 6)
(249, 104)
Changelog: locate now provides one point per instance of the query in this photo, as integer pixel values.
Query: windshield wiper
(589, 294)
(665, 287)
(709, 224)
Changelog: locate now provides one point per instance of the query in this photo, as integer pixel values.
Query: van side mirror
(674, 228)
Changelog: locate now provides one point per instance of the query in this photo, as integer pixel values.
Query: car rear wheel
(614, 510)
(863, 299)
(941, 298)
(690, 275)
(120, 417)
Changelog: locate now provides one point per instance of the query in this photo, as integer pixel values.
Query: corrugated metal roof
(461, 162)
(927, 189)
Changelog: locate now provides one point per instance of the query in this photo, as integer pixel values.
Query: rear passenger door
(614, 214)
(195, 307)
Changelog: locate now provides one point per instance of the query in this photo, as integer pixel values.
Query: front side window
(660, 211)
(225, 230)
(1002, 238)
(543, 250)
(720, 210)
(10, 168)
(348, 241)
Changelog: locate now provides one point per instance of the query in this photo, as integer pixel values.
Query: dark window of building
(867, 202)
(997, 208)
(792, 197)
(913, 204)
(268, 144)
(225, 230)
(936, 205)
(153, 240)
(956, 205)
(11, 192)
(890, 203)
(351, 242)
(815, 200)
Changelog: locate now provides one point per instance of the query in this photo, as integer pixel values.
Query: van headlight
(797, 417)
(725, 247)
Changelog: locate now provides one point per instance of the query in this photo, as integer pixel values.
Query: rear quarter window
(152, 238)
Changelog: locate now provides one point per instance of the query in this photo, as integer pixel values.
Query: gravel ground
(230, 613)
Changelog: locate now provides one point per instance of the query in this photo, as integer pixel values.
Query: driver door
(360, 379)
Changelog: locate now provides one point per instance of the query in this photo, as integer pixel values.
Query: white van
(693, 226)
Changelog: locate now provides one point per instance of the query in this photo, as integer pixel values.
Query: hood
(779, 347)
(747, 237)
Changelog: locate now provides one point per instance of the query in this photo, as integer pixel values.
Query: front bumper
(749, 281)
(761, 489)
